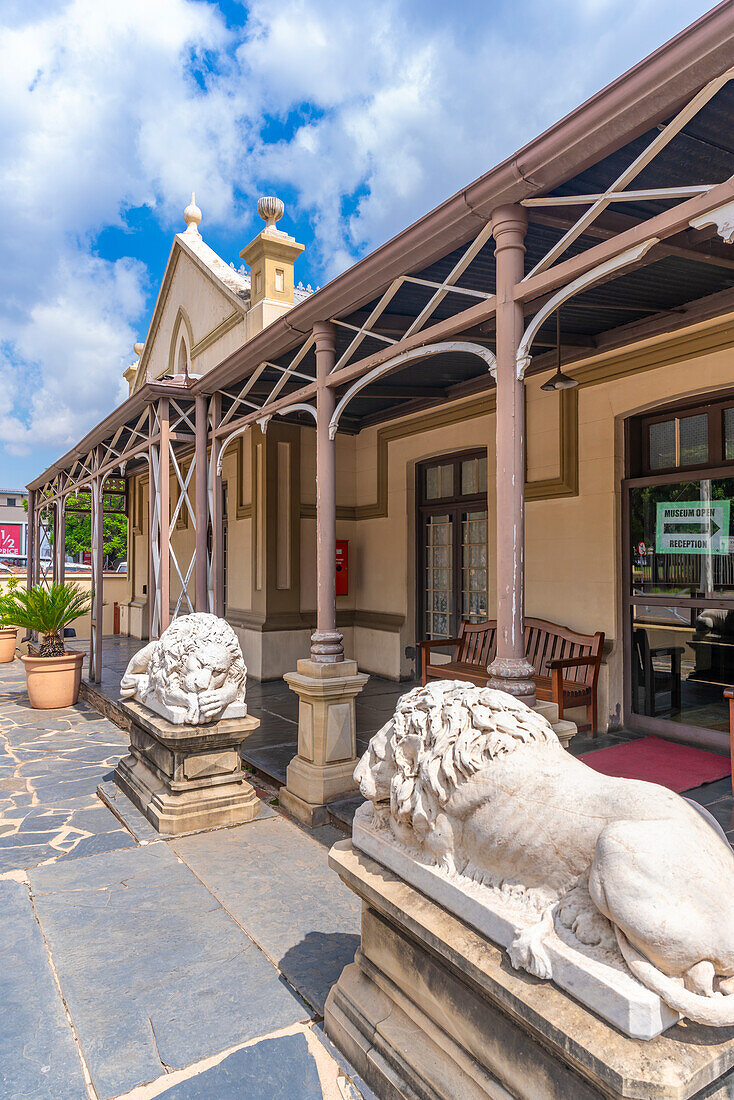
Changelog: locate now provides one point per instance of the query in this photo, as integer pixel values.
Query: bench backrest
(544, 641)
(476, 643)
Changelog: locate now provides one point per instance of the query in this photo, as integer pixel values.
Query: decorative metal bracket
(577, 286)
(722, 218)
(455, 346)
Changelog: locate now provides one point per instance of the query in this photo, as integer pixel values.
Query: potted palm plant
(8, 626)
(53, 675)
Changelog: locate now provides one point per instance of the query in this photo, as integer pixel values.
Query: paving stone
(155, 973)
(273, 1069)
(275, 880)
(136, 823)
(38, 1058)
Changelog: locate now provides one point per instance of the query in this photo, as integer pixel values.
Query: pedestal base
(563, 729)
(185, 778)
(323, 770)
(431, 1009)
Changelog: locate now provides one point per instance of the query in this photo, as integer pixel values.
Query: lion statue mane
(194, 673)
(475, 782)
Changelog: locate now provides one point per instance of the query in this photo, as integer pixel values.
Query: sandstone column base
(323, 770)
(186, 778)
(432, 1010)
(513, 675)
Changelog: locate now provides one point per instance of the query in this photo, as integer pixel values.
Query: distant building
(14, 527)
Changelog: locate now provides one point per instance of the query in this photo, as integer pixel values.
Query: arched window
(183, 358)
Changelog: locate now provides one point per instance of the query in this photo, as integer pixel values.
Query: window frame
(451, 505)
(638, 436)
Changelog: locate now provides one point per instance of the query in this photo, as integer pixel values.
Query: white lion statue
(194, 673)
(475, 782)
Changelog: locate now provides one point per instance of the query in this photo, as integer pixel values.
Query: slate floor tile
(136, 930)
(282, 1068)
(275, 881)
(38, 1058)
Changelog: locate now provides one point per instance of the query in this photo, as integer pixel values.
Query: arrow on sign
(692, 527)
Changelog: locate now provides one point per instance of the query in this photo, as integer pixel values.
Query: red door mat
(678, 767)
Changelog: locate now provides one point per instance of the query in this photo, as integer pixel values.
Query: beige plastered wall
(575, 468)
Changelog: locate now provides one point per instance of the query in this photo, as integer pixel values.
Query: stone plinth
(186, 777)
(431, 1008)
(323, 770)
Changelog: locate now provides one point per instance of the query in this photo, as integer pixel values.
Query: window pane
(474, 476)
(729, 434)
(681, 663)
(482, 475)
(438, 576)
(439, 482)
(474, 566)
(681, 539)
(662, 445)
(694, 439)
(469, 476)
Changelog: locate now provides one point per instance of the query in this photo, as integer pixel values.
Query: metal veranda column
(97, 627)
(30, 537)
(216, 579)
(164, 480)
(326, 641)
(510, 671)
(202, 505)
(60, 541)
(153, 631)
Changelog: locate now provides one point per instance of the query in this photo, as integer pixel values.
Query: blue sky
(360, 116)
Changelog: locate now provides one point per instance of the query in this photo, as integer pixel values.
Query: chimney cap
(271, 209)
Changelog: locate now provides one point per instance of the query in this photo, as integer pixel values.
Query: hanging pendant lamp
(559, 380)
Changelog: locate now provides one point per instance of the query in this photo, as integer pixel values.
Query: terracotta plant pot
(8, 637)
(53, 681)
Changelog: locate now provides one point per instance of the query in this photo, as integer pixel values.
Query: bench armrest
(428, 646)
(667, 650)
(572, 662)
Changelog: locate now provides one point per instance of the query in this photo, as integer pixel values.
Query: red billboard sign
(9, 540)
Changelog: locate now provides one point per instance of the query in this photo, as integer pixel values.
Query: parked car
(122, 567)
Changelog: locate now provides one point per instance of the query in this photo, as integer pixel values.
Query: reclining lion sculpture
(194, 673)
(474, 781)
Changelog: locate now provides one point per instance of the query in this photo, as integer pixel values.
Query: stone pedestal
(323, 770)
(185, 777)
(563, 729)
(431, 1009)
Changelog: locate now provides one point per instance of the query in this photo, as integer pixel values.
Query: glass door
(680, 577)
(452, 543)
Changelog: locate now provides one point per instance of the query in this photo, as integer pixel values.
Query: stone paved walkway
(190, 969)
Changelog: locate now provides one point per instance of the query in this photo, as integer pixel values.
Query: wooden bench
(566, 664)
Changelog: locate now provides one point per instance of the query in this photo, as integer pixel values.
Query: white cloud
(107, 107)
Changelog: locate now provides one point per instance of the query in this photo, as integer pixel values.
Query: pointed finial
(192, 216)
(271, 209)
(138, 349)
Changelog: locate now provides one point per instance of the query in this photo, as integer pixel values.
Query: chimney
(270, 257)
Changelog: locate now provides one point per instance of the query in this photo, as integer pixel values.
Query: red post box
(342, 567)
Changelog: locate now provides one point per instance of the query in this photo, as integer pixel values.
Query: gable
(196, 309)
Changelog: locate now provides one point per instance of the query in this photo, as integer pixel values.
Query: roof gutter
(647, 94)
(650, 92)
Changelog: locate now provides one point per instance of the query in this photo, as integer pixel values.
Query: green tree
(79, 529)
